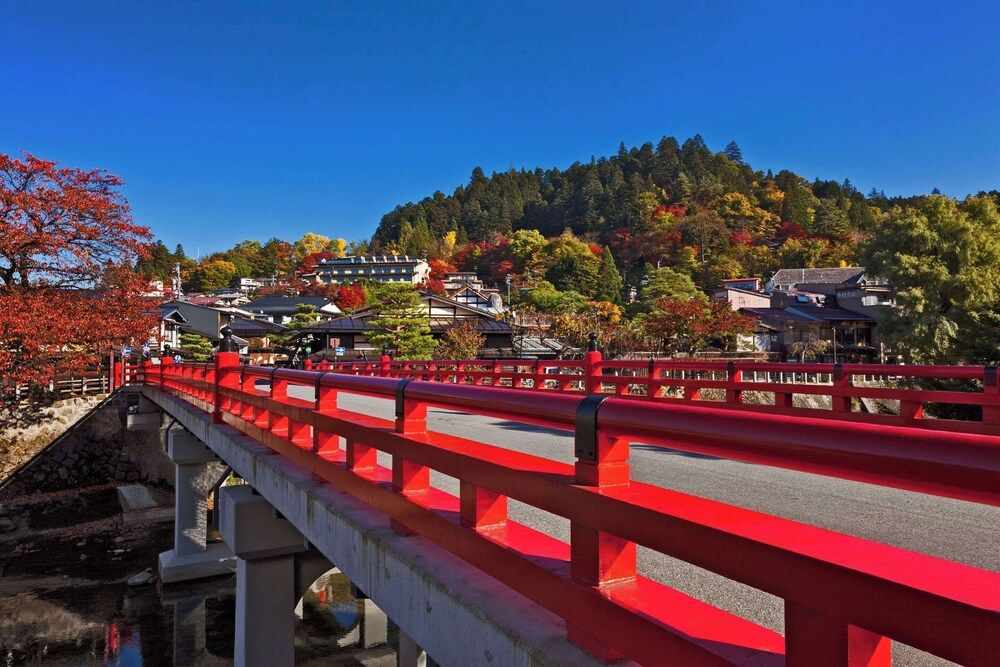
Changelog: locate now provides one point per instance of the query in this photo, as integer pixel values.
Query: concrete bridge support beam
(274, 565)
(196, 470)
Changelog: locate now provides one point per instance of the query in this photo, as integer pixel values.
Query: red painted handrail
(844, 596)
(725, 384)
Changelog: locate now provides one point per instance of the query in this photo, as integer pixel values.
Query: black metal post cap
(227, 344)
(592, 341)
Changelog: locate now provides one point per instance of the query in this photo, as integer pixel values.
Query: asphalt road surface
(952, 529)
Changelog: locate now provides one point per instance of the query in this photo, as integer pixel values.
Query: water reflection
(65, 603)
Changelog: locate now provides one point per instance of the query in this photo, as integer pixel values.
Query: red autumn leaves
(67, 291)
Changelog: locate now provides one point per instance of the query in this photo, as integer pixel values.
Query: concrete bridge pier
(274, 566)
(373, 628)
(196, 469)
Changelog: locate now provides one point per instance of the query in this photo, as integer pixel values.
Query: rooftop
(370, 259)
(244, 327)
(277, 302)
(826, 275)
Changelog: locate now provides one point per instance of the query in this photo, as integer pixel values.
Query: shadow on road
(676, 452)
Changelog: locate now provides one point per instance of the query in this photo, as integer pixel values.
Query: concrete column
(266, 546)
(196, 469)
(374, 624)
(410, 654)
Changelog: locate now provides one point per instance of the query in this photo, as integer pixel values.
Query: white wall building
(376, 268)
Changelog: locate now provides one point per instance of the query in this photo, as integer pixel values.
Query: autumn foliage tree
(67, 291)
(692, 325)
(462, 341)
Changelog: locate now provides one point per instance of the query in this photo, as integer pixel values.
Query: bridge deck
(454, 611)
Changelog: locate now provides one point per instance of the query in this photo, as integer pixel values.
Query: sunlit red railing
(760, 386)
(844, 596)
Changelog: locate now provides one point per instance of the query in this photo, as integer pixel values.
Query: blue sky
(249, 120)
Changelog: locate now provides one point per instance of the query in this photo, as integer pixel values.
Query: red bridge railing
(844, 596)
(854, 392)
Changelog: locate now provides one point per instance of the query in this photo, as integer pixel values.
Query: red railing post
(840, 382)
(278, 423)
(481, 508)
(599, 558)
(166, 362)
(991, 389)
(813, 640)
(911, 410)
(326, 402)
(226, 360)
(409, 478)
(592, 366)
(385, 361)
(307, 364)
(248, 385)
(652, 375)
(734, 396)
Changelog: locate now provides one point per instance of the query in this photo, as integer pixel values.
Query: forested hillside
(630, 245)
(710, 214)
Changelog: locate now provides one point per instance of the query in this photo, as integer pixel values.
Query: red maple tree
(433, 286)
(350, 297)
(68, 293)
(440, 268)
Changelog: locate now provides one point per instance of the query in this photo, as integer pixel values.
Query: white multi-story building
(376, 268)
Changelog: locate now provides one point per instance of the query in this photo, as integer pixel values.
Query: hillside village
(827, 314)
(662, 250)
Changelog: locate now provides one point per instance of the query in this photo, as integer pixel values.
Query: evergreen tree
(830, 220)
(733, 152)
(196, 347)
(400, 323)
(159, 264)
(666, 283)
(609, 280)
(795, 207)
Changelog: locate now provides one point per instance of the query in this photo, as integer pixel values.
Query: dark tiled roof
(533, 345)
(166, 309)
(242, 326)
(277, 303)
(437, 324)
(338, 325)
(777, 316)
(831, 313)
(831, 275)
(483, 324)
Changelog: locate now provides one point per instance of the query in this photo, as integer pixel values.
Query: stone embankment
(82, 443)
(19, 445)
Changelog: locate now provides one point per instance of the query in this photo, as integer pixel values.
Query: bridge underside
(457, 614)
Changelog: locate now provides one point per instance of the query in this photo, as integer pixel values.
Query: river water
(64, 601)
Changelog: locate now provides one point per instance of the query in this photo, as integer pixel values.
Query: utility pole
(177, 280)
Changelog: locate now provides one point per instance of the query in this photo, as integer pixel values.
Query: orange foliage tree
(67, 292)
(692, 325)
